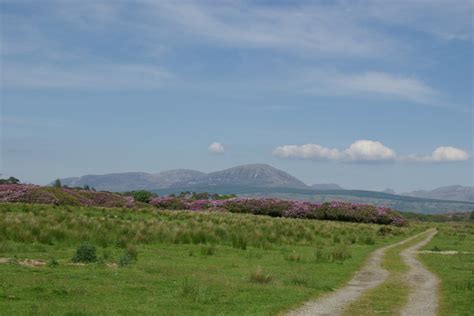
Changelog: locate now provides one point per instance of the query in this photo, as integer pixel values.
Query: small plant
(384, 231)
(260, 276)
(85, 253)
(294, 256)
(53, 263)
(189, 288)
(369, 240)
(435, 248)
(208, 250)
(130, 256)
(320, 256)
(299, 280)
(340, 254)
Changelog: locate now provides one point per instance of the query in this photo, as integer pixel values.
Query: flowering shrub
(61, 196)
(339, 211)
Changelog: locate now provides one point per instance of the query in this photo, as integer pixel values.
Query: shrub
(260, 276)
(142, 196)
(384, 231)
(85, 253)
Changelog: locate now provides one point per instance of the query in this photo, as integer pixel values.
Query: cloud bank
(366, 151)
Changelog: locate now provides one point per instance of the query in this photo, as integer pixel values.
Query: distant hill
(253, 175)
(452, 193)
(326, 186)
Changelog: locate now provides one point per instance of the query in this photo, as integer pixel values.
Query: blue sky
(366, 94)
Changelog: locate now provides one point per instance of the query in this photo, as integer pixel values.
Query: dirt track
(372, 275)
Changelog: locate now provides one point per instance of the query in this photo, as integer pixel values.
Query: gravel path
(423, 299)
(370, 276)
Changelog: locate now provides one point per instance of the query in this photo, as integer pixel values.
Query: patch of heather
(61, 196)
(335, 210)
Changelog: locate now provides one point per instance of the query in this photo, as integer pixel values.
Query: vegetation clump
(260, 276)
(129, 256)
(85, 253)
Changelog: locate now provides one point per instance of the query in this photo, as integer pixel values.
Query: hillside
(452, 192)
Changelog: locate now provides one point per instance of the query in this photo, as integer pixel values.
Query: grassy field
(186, 262)
(456, 271)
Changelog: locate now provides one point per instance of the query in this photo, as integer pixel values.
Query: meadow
(450, 255)
(147, 260)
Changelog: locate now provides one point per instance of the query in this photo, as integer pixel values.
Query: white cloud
(441, 154)
(307, 151)
(367, 151)
(359, 151)
(216, 148)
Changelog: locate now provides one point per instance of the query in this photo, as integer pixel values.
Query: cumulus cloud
(216, 148)
(441, 154)
(307, 151)
(361, 150)
(367, 151)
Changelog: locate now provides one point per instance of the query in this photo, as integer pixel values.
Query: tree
(142, 196)
(57, 183)
(87, 188)
(11, 180)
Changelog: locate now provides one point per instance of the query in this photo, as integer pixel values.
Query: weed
(260, 276)
(340, 253)
(208, 250)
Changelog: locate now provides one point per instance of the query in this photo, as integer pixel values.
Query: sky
(365, 94)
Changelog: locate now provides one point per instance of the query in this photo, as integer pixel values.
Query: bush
(142, 196)
(85, 253)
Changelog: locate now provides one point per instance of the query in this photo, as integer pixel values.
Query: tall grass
(72, 225)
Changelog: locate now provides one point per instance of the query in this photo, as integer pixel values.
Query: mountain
(326, 186)
(451, 193)
(130, 181)
(253, 175)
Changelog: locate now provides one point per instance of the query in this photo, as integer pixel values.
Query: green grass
(390, 296)
(455, 271)
(183, 262)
